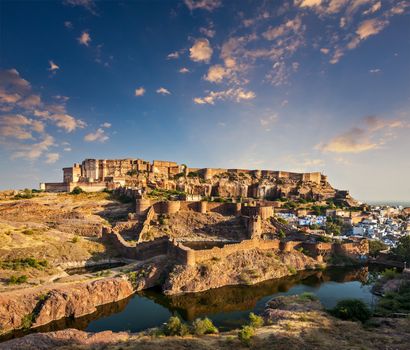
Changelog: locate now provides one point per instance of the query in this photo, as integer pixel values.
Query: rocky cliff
(248, 267)
(33, 307)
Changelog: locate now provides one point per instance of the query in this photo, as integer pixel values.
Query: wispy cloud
(163, 91)
(184, 70)
(51, 158)
(237, 95)
(208, 5)
(374, 133)
(53, 66)
(97, 136)
(89, 5)
(23, 127)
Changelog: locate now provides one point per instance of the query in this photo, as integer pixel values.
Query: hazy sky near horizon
(298, 85)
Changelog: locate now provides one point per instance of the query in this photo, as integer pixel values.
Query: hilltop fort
(94, 175)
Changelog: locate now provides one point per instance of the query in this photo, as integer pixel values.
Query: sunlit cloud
(51, 158)
(184, 70)
(201, 51)
(163, 91)
(374, 133)
(97, 136)
(53, 67)
(84, 38)
(237, 95)
(216, 73)
(35, 150)
(208, 5)
(139, 91)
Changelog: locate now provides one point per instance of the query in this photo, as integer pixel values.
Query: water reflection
(227, 306)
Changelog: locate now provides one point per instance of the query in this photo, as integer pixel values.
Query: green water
(228, 307)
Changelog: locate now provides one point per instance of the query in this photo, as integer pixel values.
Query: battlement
(114, 171)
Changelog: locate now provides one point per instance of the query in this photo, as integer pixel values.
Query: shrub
(352, 309)
(292, 270)
(389, 274)
(282, 234)
(18, 280)
(75, 239)
(255, 320)
(26, 194)
(205, 326)
(245, 334)
(375, 247)
(77, 190)
(307, 296)
(18, 264)
(174, 326)
(27, 321)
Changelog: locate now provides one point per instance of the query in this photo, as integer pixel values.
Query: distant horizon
(292, 85)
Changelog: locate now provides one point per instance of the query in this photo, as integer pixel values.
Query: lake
(228, 307)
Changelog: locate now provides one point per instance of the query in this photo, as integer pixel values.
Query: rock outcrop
(33, 307)
(246, 267)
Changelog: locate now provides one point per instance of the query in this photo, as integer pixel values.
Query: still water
(228, 307)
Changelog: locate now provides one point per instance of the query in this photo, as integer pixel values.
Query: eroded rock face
(82, 299)
(249, 267)
(53, 302)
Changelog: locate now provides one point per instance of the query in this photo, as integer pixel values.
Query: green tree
(375, 247)
(333, 228)
(403, 249)
(352, 309)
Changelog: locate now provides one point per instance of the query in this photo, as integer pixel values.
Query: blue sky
(299, 85)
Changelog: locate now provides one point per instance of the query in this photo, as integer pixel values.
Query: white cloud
(19, 127)
(374, 71)
(201, 51)
(139, 91)
(163, 91)
(173, 55)
(235, 94)
(51, 158)
(62, 120)
(34, 151)
(53, 67)
(84, 38)
(184, 70)
(106, 125)
(30, 102)
(97, 136)
(68, 24)
(208, 5)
